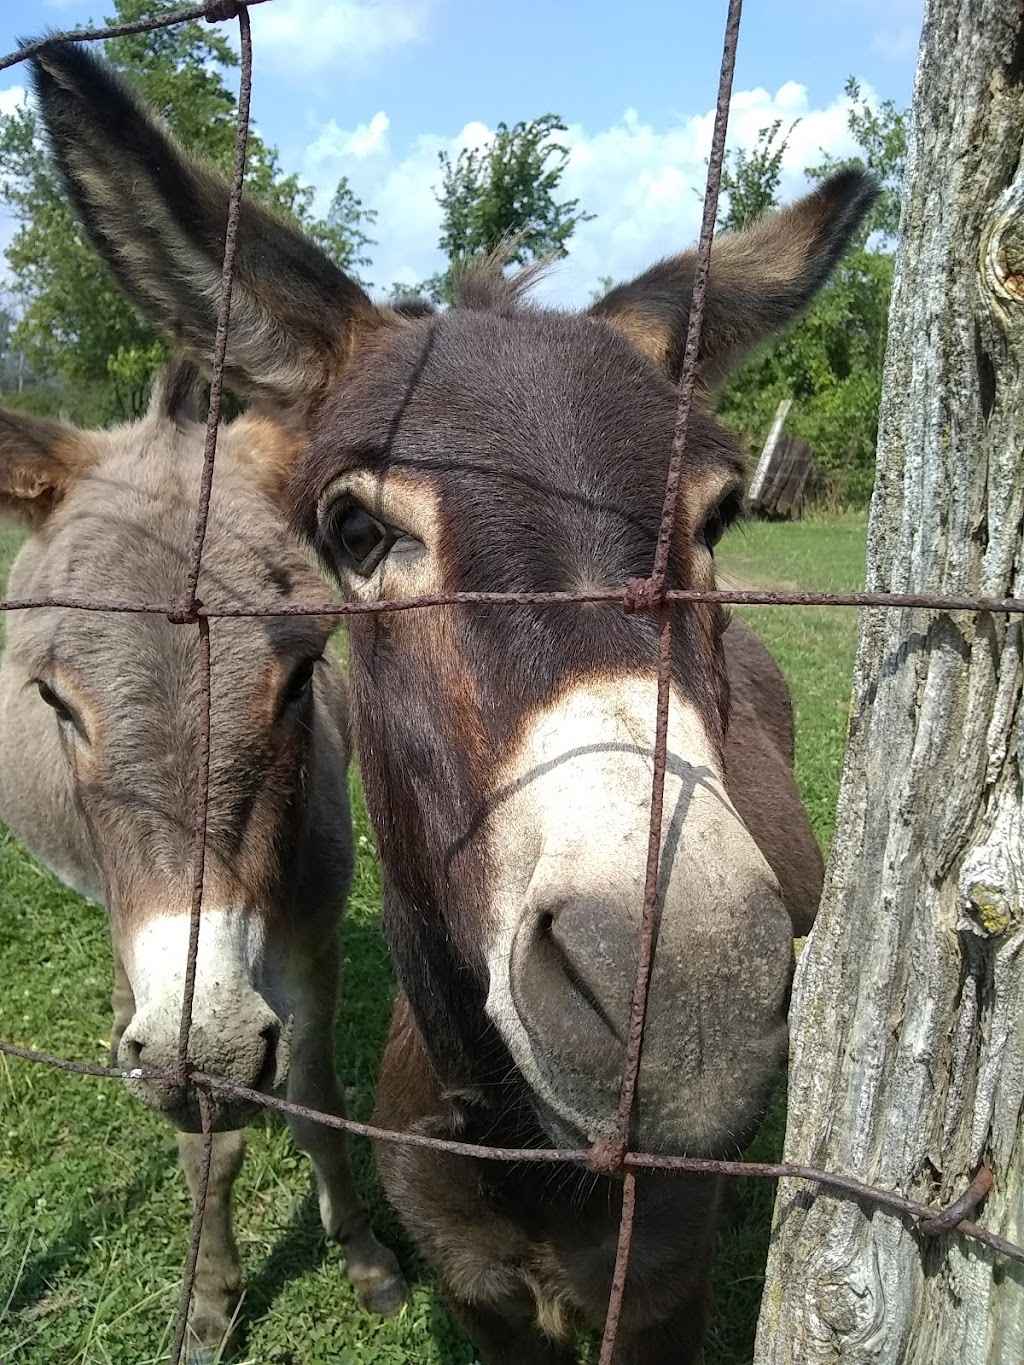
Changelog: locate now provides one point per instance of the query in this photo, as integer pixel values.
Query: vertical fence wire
(220, 345)
(654, 598)
(189, 613)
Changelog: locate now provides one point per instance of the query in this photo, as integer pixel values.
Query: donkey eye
(297, 687)
(363, 540)
(713, 530)
(360, 533)
(720, 520)
(64, 712)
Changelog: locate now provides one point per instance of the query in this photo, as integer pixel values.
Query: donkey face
(98, 745)
(507, 754)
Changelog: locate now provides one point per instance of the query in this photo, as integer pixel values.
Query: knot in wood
(989, 910)
(643, 594)
(1003, 246)
(1011, 260)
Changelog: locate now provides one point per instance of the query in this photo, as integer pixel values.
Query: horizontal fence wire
(581, 1156)
(739, 597)
(611, 1157)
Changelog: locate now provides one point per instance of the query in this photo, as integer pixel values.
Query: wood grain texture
(908, 1012)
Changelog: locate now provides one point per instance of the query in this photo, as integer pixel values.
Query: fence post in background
(908, 1011)
(764, 463)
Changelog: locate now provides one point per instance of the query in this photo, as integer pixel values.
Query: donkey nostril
(131, 1053)
(561, 965)
(266, 1076)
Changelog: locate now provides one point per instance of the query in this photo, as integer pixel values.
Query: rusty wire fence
(612, 1156)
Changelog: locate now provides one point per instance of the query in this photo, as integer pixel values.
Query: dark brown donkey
(98, 734)
(507, 752)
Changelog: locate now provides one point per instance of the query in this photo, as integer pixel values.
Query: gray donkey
(99, 721)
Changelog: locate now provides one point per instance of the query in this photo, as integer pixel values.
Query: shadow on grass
(302, 1248)
(40, 1270)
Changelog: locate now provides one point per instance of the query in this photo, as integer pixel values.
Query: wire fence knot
(643, 594)
(607, 1156)
(185, 613)
(947, 1219)
(217, 11)
(180, 1074)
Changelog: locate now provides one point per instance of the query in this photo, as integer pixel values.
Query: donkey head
(99, 740)
(507, 752)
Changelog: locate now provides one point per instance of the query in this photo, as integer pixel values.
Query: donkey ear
(158, 217)
(39, 459)
(761, 280)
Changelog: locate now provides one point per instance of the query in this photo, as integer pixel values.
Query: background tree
(505, 192)
(830, 364)
(400, 292)
(74, 328)
(750, 179)
(341, 234)
(605, 284)
(908, 1006)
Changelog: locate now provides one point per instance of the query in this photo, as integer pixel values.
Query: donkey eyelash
(65, 714)
(352, 538)
(728, 512)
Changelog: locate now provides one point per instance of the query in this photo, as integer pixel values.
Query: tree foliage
(74, 326)
(750, 179)
(830, 363)
(505, 193)
(341, 234)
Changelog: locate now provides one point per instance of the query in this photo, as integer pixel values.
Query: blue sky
(375, 88)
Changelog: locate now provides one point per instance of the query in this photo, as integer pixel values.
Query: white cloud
(317, 35)
(400, 189)
(334, 145)
(643, 184)
(11, 98)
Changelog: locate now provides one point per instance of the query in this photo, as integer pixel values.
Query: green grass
(93, 1212)
(813, 645)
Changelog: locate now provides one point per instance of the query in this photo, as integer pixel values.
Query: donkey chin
(241, 1028)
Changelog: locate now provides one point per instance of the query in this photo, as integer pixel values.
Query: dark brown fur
(498, 447)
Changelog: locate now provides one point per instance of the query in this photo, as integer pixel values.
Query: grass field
(93, 1212)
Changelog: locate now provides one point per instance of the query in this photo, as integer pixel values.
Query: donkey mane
(177, 393)
(481, 285)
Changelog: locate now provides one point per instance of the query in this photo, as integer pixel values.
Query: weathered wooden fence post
(759, 479)
(908, 1045)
